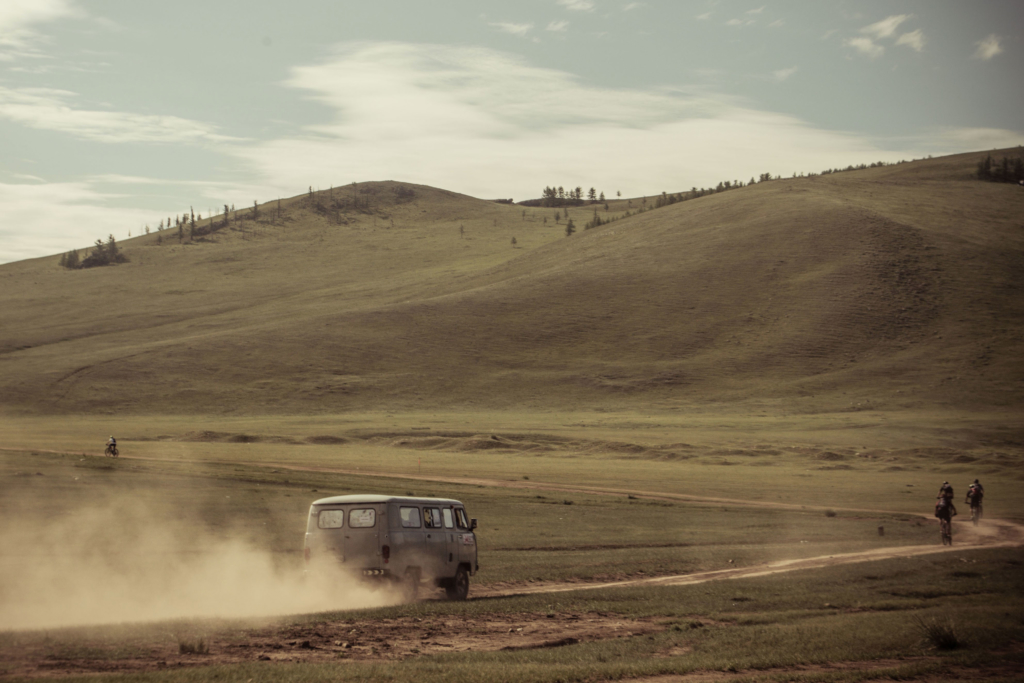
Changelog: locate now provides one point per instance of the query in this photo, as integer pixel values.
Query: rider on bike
(946, 491)
(974, 495)
(112, 443)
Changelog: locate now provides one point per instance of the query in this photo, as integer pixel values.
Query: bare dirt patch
(39, 655)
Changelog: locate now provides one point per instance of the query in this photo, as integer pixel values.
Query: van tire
(458, 589)
(411, 585)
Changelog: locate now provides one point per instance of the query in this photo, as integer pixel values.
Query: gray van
(406, 540)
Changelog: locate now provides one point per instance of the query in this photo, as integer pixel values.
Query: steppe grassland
(787, 461)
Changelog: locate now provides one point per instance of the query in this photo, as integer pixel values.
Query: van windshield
(330, 519)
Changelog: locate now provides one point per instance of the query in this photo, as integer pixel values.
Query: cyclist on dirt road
(974, 495)
(111, 443)
(945, 511)
(946, 491)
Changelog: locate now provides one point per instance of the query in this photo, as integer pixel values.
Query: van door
(408, 541)
(466, 540)
(452, 547)
(327, 537)
(436, 543)
(362, 536)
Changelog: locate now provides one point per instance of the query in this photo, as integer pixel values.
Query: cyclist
(946, 491)
(945, 511)
(111, 444)
(974, 495)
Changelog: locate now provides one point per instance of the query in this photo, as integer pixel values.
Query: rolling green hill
(899, 287)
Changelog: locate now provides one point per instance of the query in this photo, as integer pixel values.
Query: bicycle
(976, 514)
(111, 450)
(946, 531)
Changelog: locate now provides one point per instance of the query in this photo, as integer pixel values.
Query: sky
(115, 114)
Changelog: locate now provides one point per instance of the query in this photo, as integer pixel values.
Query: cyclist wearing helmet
(974, 495)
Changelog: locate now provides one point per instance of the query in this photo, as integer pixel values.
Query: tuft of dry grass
(941, 635)
(188, 646)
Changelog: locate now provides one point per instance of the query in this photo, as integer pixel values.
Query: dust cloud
(128, 563)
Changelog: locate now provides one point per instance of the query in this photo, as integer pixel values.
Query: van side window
(432, 518)
(410, 517)
(330, 519)
(362, 519)
(448, 523)
(460, 519)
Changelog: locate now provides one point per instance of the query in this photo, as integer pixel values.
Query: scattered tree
(462, 229)
(255, 209)
(102, 255)
(513, 242)
(570, 228)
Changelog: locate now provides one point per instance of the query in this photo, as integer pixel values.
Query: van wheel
(458, 589)
(411, 585)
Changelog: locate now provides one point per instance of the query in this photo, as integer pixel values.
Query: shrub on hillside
(1006, 171)
(104, 254)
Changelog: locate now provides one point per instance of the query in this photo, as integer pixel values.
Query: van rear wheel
(411, 585)
(458, 589)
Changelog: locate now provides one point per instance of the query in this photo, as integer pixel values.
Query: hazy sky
(115, 114)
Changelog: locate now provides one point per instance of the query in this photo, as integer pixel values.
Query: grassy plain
(766, 374)
(562, 514)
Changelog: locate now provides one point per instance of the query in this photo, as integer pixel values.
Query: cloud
(577, 5)
(486, 123)
(756, 11)
(514, 29)
(703, 17)
(777, 23)
(865, 46)
(634, 5)
(18, 19)
(558, 26)
(47, 109)
(739, 22)
(886, 27)
(913, 40)
(988, 48)
(783, 74)
(52, 218)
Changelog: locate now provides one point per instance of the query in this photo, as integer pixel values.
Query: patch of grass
(196, 646)
(942, 635)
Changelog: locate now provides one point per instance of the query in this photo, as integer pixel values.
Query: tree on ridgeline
(103, 254)
(255, 210)
(1007, 171)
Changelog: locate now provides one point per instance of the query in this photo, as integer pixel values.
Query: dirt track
(394, 639)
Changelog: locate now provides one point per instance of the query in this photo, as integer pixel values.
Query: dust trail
(128, 563)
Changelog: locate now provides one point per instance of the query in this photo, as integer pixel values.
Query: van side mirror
(472, 524)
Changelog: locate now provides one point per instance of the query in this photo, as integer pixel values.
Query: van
(400, 539)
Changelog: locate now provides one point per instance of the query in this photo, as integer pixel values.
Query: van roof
(371, 498)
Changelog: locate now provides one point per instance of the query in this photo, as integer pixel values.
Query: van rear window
(410, 517)
(330, 519)
(362, 519)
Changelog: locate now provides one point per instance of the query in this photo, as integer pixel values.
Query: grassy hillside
(889, 288)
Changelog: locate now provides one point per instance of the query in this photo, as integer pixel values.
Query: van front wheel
(458, 589)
